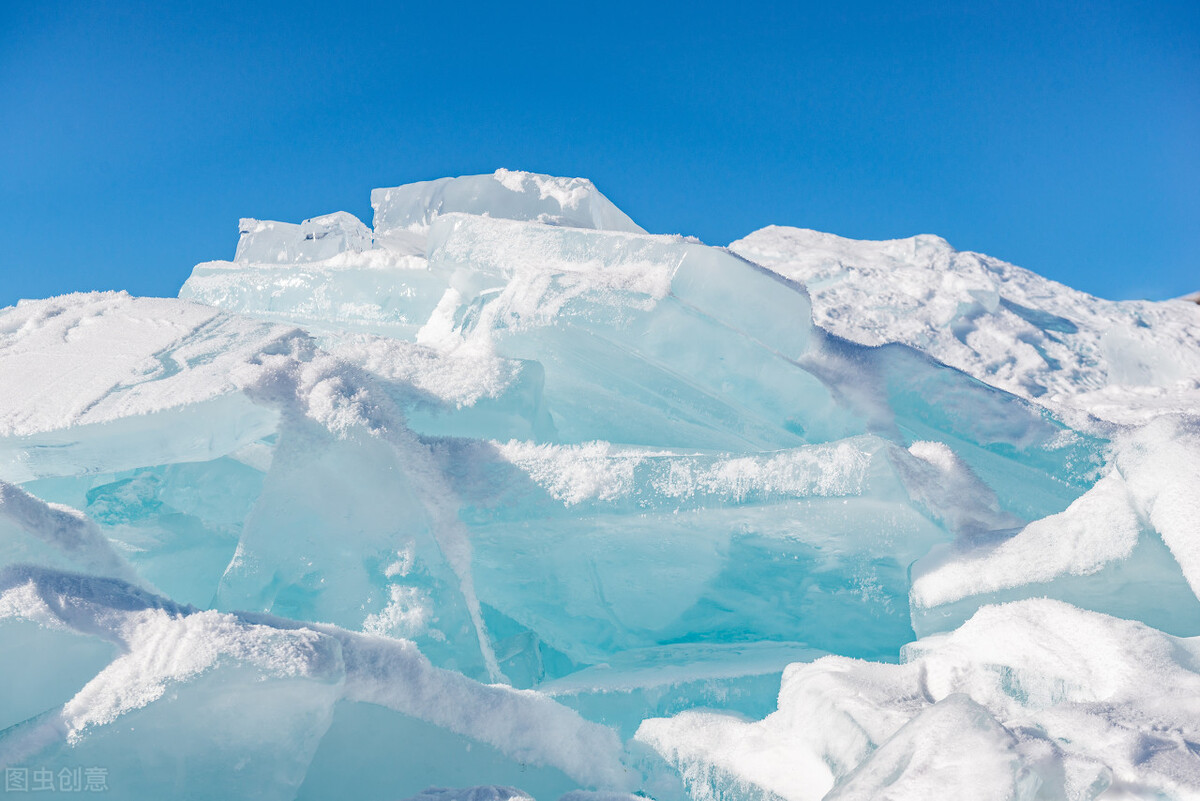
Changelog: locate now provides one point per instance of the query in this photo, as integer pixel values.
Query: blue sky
(1064, 137)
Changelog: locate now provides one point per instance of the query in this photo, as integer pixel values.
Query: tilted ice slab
(1035, 699)
(277, 426)
(1125, 361)
(329, 268)
(1126, 547)
(32, 531)
(378, 288)
(99, 381)
(237, 704)
(53, 536)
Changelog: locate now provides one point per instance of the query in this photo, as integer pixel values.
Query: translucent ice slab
(218, 705)
(269, 242)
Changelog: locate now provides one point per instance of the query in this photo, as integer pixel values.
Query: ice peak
(508, 194)
(568, 192)
(315, 239)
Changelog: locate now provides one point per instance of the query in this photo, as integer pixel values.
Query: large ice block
(270, 242)
(508, 194)
(375, 291)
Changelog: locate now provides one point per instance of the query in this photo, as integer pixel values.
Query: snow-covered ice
(1033, 699)
(1126, 361)
(504, 497)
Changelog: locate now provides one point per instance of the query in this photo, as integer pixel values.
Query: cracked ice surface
(505, 498)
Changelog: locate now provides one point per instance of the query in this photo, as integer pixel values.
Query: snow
(954, 747)
(1161, 462)
(504, 497)
(84, 359)
(487, 793)
(1099, 527)
(596, 470)
(1125, 361)
(1035, 696)
(32, 531)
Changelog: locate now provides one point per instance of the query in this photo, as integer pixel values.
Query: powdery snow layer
(453, 507)
(596, 470)
(1161, 463)
(1125, 361)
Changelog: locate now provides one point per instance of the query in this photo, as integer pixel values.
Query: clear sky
(1064, 137)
